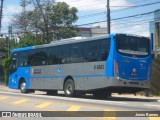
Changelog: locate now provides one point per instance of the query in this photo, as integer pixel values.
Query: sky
(93, 11)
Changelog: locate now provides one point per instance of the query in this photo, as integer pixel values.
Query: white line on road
(114, 102)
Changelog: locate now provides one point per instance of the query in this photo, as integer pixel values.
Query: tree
(61, 20)
(49, 19)
(4, 47)
(5, 64)
(29, 40)
(24, 3)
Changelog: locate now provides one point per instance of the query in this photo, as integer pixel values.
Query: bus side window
(22, 62)
(91, 51)
(31, 61)
(64, 54)
(77, 53)
(53, 55)
(41, 57)
(104, 49)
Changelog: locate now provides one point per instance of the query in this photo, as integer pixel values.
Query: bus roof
(22, 49)
(61, 42)
(68, 41)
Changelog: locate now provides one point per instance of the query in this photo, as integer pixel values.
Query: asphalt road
(78, 108)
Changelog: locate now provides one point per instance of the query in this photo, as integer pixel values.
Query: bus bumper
(117, 81)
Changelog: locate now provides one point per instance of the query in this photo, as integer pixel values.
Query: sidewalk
(137, 96)
(5, 88)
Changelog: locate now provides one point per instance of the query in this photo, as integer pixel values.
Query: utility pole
(23, 4)
(1, 12)
(108, 18)
(157, 32)
(9, 38)
(157, 38)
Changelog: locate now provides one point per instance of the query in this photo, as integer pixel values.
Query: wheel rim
(69, 88)
(23, 87)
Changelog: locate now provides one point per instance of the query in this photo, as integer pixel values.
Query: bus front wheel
(69, 88)
(23, 88)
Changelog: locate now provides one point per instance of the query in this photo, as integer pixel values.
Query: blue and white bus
(114, 63)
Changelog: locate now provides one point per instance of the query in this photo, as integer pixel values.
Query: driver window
(14, 62)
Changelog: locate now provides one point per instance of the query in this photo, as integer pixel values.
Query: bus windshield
(132, 46)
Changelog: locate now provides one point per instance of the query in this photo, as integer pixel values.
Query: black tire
(69, 88)
(23, 88)
(52, 92)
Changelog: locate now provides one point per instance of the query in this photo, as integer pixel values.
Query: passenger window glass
(53, 56)
(91, 52)
(31, 61)
(23, 59)
(77, 53)
(64, 55)
(104, 49)
(41, 57)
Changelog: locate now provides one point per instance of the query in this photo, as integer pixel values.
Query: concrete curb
(138, 97)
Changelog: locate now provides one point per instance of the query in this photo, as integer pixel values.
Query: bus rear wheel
(23, 88)
(69, 88)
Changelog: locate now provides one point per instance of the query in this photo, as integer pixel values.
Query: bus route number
(98, 67)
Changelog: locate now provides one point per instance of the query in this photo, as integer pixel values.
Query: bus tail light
(115, 68)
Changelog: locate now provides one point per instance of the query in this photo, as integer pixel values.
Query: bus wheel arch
(22, 85)
(69, 86)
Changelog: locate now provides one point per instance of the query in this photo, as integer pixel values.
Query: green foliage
(3, 47)
(6, 64)
(49, 19)
(155, 82)
(29, 40)
(46, 22)
(61, 18)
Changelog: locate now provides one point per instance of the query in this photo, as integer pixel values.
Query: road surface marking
(74, 108)
(154, 118)
(113, 114)
(114, 102)
(4, 97)
(20, 101)
(43, 105)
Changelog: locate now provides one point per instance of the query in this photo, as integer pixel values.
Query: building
(152, 37)
(92, 32)
(98, 31)
(84, 32)
(155, 31)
